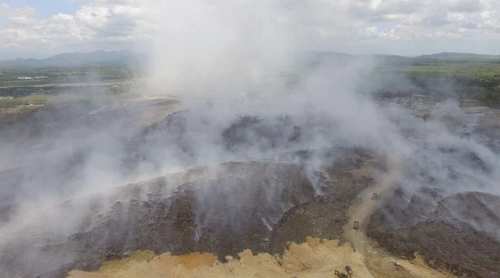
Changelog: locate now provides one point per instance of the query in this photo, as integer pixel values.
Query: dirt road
(314, 258)
(377, 262)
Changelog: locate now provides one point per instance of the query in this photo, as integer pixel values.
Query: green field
(482, 72)
(54, 75)
(32, 100)
(473, 76)
(467, 76)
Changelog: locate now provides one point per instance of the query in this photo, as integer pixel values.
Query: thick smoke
(247, 91)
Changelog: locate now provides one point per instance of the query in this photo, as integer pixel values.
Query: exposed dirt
(180, 214)
(225, 209)
(314, 258)
(326, 215)
(261, 207)
(378, 262)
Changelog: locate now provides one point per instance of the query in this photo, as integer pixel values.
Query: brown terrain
(349, 253)
(458, 233)
(351, 217)
(192, 212)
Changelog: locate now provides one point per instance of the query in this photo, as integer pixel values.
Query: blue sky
(46, 7)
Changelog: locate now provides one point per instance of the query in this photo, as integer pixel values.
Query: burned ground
(222, 210)
(326, 215)
(263, 205)
(458, 233)
(196, 215)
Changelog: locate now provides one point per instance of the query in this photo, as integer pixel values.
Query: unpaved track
(377, 262)
(313, 259)
(366, 203)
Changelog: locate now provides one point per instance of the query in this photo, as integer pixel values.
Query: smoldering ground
(242, 92)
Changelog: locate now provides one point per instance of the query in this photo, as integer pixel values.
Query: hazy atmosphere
(236, 138)
(36, 28)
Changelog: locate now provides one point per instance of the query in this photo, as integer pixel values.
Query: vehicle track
(378, 262)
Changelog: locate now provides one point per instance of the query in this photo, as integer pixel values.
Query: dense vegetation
(464, 75)
(15, 77)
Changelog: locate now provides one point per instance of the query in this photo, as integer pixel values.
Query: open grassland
(55, 75)
(467, 79)
(480, 72)
(14, 108)
(15, 102)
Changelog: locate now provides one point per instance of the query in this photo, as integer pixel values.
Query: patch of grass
(478, 80)
(14, 102)
(490, 97)
(56, 75)
(482, 73)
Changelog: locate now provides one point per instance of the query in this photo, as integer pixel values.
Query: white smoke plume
(230, 64)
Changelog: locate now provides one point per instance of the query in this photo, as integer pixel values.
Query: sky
(45, 7)
(40, 28)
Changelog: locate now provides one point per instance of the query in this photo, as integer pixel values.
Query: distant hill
(96, 58)
(128, 58)
(393, 59)
(458, 57)
(438, 58)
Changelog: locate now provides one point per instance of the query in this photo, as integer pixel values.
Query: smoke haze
(241, 87)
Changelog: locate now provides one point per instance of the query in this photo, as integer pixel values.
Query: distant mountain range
(128, 58)
(449, 57)
(96, 58)
(457, 57)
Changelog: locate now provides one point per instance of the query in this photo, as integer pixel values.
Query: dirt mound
(184, 213)
(222, 210)
(455, 232)
(313, 258)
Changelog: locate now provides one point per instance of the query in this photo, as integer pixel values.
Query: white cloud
(336, 24)
(427, 18)
(99, 24)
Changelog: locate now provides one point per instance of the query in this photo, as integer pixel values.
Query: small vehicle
(355, 225)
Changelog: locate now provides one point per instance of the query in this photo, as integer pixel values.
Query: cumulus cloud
(100, 24)
(370, 25)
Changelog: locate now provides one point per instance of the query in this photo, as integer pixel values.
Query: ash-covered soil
(258, 204)
(326, 215)
(223, 210)
(459, 233)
